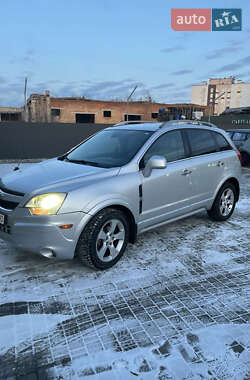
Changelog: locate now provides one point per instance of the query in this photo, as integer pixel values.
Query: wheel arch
(131, 220)
(236, 184)
(117, 206)
(234, 181)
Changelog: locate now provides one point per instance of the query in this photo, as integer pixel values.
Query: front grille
(12, 192)
(5, 228)
(8, 205)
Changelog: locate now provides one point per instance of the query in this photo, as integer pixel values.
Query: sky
(102, 49)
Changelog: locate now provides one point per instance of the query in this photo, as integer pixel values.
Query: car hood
(53, 174)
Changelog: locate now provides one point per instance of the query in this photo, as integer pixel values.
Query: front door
(166, 193)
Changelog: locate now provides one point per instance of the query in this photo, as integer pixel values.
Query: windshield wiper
(83, 162)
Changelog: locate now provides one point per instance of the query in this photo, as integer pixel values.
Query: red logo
(194, 19)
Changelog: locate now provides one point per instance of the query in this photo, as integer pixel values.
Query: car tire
(104, 239)
(224, 203)
(245, 159)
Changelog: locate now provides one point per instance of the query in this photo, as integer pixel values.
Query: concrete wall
(39, 108)
(199, 94)
(240, 95)
(19, 140)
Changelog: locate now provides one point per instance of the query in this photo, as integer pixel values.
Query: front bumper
(40, 233)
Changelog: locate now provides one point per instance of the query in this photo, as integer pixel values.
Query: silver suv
(120, 182)
(241, 139)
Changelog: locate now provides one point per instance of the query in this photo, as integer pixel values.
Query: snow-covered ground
(175, 307)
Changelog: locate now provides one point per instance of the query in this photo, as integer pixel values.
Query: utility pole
(150, 105)
(128, 98)
(25, 99)
(211, 103)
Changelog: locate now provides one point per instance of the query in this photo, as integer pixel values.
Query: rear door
(208, 162)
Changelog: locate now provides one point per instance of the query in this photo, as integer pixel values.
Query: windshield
(109, 148)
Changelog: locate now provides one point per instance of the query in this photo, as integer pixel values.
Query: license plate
(2, 219)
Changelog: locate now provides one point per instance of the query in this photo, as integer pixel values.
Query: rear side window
(222, 143)
(201, 142)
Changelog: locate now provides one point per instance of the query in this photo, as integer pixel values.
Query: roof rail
(133, 122)
(193, 122)
(207, 123)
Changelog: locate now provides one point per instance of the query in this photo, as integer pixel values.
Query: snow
(20, 328)
(176, 306)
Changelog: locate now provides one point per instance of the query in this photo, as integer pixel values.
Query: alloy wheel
(226, 202)
(110, 240)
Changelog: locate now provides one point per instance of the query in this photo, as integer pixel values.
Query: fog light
(66, 226)
(46, 252)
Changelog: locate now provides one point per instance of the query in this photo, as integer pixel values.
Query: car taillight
(239, 155)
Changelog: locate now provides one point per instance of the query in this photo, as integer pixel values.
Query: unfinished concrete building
(39, 108)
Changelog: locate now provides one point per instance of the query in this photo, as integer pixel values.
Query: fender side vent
(140, 199)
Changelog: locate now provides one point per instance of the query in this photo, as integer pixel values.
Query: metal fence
(230, 121)
(20, 140)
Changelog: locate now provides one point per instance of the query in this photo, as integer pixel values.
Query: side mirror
(155, 162)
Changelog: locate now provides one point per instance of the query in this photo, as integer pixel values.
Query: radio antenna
(25, 115)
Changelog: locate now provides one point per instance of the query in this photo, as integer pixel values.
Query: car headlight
(46, 204)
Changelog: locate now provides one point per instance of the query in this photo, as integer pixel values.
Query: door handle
(220, 163)
(186, 172)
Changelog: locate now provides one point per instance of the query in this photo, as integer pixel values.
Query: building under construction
(11, 114)
(44, 108)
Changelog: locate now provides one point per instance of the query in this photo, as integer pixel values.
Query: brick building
(11, 114)
(44, 108)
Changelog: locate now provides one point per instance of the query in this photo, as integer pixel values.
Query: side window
(201, 142)
(222, 143)
(170, 145)
(239, 136)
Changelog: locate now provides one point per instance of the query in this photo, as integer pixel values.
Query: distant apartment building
(44, 108)
(220, 94)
